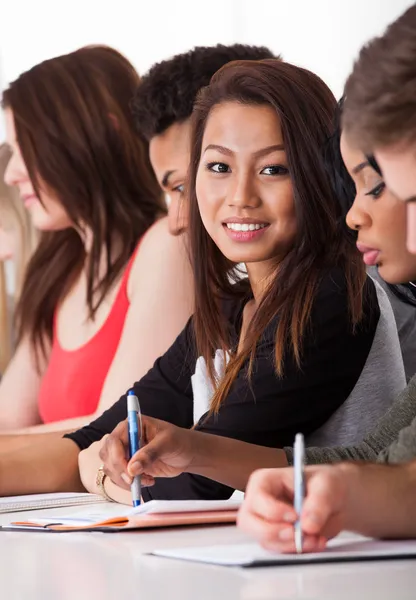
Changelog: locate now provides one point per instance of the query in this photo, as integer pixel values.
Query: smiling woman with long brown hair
(298, 330)
(90, 312)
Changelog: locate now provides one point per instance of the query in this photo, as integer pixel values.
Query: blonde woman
(17, 241)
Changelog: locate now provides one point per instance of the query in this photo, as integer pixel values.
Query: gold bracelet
(99, 481)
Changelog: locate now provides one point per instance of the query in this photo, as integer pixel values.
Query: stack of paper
(41, 501)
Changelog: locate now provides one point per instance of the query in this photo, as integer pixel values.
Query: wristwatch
(99, 481)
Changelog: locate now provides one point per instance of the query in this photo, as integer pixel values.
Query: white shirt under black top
(269, 410)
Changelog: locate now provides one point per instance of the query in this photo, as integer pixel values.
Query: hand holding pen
(135, 436)
(268, 512)
(165, 451)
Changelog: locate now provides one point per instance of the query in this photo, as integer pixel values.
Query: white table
(97, 566)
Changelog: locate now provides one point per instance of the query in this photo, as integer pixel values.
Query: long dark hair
(344, 189)
(78, 141)
(305, 107)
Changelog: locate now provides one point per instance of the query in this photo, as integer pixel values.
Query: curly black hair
(167, 92)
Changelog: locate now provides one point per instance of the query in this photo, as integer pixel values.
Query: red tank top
(73, 381)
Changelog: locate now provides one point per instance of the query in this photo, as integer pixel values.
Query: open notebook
(41, 501)
(156, 513)
(251, 555)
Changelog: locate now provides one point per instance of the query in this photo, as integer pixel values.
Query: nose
(8, 174)
(242, 192)
(177, 215)
(14, 172)
(358, 217)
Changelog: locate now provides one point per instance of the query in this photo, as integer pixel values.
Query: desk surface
(90, 566)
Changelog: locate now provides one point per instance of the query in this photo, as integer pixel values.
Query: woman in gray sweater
(380, 221)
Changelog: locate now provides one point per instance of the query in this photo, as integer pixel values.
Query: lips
(28, 199)
(370, 255)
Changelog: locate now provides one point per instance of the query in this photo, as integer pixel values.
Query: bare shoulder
(158, 234)
(160, 255)
(160, 246)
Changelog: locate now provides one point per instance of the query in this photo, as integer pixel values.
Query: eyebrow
(360, 167)
(165, 178)
(410, 200)
(259, 153)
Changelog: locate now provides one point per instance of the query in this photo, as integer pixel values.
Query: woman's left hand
(89, 462)
(167, 451)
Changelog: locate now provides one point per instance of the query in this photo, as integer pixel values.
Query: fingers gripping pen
(135, 435)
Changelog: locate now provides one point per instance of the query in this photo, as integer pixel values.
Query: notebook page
(250, 555)
(184, 506)
(85, 515)
(42, 501)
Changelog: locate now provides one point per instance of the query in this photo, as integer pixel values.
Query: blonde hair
(13, 217)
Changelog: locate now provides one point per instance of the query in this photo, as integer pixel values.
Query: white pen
(135, 435)
(299, 467)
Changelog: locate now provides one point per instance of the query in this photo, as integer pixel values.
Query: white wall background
(322, 35)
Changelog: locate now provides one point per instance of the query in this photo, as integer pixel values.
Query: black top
(269, 410)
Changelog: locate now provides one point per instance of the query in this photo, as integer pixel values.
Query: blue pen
(299, 468)
(135, 435)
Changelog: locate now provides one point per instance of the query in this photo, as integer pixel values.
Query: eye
(179, 188)
(273, 170)
(218, 167)
(377, 191)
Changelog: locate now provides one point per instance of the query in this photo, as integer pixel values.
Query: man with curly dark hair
(162, 108)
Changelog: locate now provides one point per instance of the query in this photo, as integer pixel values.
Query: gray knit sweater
(392, 440)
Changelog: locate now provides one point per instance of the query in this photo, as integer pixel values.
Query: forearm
(45, 466)
(391, 440)
(19, 388)
(380, 500)
(336, 454)
(60, 427)
(14, 442)
(403, 448)
(230, 461)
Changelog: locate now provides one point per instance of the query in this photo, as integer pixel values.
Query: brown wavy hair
(380, 104)
(78, 141)
(305, 107)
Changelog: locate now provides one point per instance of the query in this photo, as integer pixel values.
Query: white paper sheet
(251, 555)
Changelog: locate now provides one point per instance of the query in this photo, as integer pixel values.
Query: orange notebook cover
(154, 514)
